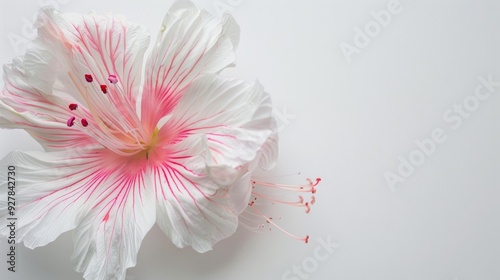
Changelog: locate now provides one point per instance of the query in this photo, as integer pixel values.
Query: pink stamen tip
(306, 239)
(71, 121)
(113, 79)
(308, 208)
(104, 89)
(73, 106)
(314, 184)
(89, 78)
(313, 199)
(85, 123)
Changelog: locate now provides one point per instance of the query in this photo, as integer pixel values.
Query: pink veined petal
(190, 42)
(105, 199)
(47, 195)
(192, 210)
(95, 62)
(235, 118)
(216, 133)
(108, 238)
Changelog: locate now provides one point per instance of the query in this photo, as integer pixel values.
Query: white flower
(128, 145)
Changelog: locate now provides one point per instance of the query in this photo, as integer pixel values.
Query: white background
(351, 122)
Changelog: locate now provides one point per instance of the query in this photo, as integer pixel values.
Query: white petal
(235, 117)
(94, 191)
(108, 237)
(269, 152)
(231, 29)
(192, 209)
(190, 42)
(49, 194)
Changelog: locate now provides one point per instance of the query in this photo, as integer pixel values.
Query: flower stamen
(85, 123)
(71, 121)
(269, 221)
(113, 79)
(104, 89)
(89, 78)
(272, 193)
(73, 106)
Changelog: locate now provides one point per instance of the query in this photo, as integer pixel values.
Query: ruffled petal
(49, 194)
(104, 197)
(270, 150)
(190, 42)
(235, 117)
(192, 209)
(216, 133)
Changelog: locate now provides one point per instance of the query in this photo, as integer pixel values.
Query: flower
(174, 144)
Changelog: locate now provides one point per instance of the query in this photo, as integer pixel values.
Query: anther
(113, 79)
(85, 123)
(89, 78)
(308, 208)
(104, 89)
(71, 121)
(73, 106)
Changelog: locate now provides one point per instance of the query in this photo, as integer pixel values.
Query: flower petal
(270, 149)
(48, 195)
(94, 191)
(108, 237)
(235, 117)
(190, 42)
(192, 209)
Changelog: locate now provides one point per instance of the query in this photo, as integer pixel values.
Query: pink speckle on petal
(113, 79)
(104, 89)
(89, 78)
(71, 121)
